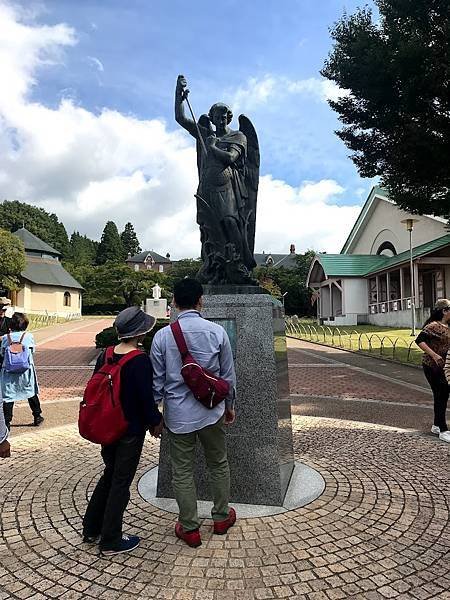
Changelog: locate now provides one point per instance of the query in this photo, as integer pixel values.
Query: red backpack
(207, 388)
(101, 419)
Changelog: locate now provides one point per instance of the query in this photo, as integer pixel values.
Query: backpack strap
(179, 338)
(108, 355)
(8, 337)
(22, 336)
(128, 356)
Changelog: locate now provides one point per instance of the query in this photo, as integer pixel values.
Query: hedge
(108, 337)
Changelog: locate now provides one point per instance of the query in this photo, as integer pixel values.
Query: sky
(86, 114)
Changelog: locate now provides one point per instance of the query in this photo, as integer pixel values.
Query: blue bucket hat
(132, 322)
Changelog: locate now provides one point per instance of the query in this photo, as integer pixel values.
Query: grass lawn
(387, 342)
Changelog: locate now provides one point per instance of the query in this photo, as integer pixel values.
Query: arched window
(387, 249)
(67, 299)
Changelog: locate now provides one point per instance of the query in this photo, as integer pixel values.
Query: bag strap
(8, 337)
(22, 336)
(179, 338)
(128, 356)
(109, 353)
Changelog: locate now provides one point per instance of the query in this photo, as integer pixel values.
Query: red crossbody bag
(207, 388)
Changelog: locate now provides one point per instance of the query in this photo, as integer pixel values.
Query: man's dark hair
(187, 293)
(19, 322)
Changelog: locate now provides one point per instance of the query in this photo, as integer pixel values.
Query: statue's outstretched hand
(182, 88)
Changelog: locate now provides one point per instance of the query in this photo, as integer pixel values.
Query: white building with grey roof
(47, 288)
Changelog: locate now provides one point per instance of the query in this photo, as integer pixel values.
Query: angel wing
(251, 175)
(206, 129)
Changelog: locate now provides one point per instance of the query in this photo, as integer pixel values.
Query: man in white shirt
(187, 419)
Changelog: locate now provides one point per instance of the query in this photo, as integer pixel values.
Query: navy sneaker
(127, 544)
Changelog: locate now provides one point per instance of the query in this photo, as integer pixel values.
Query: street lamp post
(410, 227)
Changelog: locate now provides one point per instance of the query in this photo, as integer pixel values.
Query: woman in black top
(104, 514)
(434, 340)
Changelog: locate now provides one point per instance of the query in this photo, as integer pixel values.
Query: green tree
(110, 247)
(115, 283)
(47, 227)
(291, 282)
(83, 251)
(186, 267)
(12, 261)
(396, 117)
(130, 240)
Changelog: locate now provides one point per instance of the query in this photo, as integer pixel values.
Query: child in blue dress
(20, 386)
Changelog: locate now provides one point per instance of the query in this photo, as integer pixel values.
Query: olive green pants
(182, 455)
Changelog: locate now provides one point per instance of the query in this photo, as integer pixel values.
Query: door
(429, 289)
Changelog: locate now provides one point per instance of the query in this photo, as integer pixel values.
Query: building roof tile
(279, 260)
(32, 242)
(49, 273)
(360, 265)
(140, 258)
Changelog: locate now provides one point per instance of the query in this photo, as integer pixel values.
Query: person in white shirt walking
(187, 419)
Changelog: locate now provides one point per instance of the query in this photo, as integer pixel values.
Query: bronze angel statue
(228, 169)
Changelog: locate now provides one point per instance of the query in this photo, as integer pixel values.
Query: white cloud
(259, 91)
(23, 49)
(88, 168)
(306, 216)
(96, 62)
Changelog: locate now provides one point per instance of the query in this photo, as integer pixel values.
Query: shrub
(108, 337)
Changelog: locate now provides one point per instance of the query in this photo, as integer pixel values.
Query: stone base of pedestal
(260, 447)
(305, 486)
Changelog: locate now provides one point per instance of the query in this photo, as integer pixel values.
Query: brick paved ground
(380, 530)
(63, 361)
(328, 382)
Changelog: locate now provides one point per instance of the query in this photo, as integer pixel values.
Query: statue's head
(220, 114)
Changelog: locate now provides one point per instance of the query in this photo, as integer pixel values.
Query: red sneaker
(221, 527)
(192, 538)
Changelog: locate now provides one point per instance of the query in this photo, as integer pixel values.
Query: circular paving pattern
(380, 530)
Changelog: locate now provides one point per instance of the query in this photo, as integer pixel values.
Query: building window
(387, 249)
(67, 299)
(149, 267)
(161, 268)
(136, 268)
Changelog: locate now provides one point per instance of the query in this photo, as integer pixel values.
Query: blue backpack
(17, 356)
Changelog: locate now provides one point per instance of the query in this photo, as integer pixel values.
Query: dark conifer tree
(110, 247)
(130, 240)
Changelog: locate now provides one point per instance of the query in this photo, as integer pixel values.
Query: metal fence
(43, 320)
(385, 346)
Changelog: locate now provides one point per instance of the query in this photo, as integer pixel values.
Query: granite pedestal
(260, 447)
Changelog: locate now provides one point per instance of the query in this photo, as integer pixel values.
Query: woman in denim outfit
(20, 386)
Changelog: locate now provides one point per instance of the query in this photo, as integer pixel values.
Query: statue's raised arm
(181, 94)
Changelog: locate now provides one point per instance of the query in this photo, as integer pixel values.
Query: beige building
(47, 288)
(370, 280)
